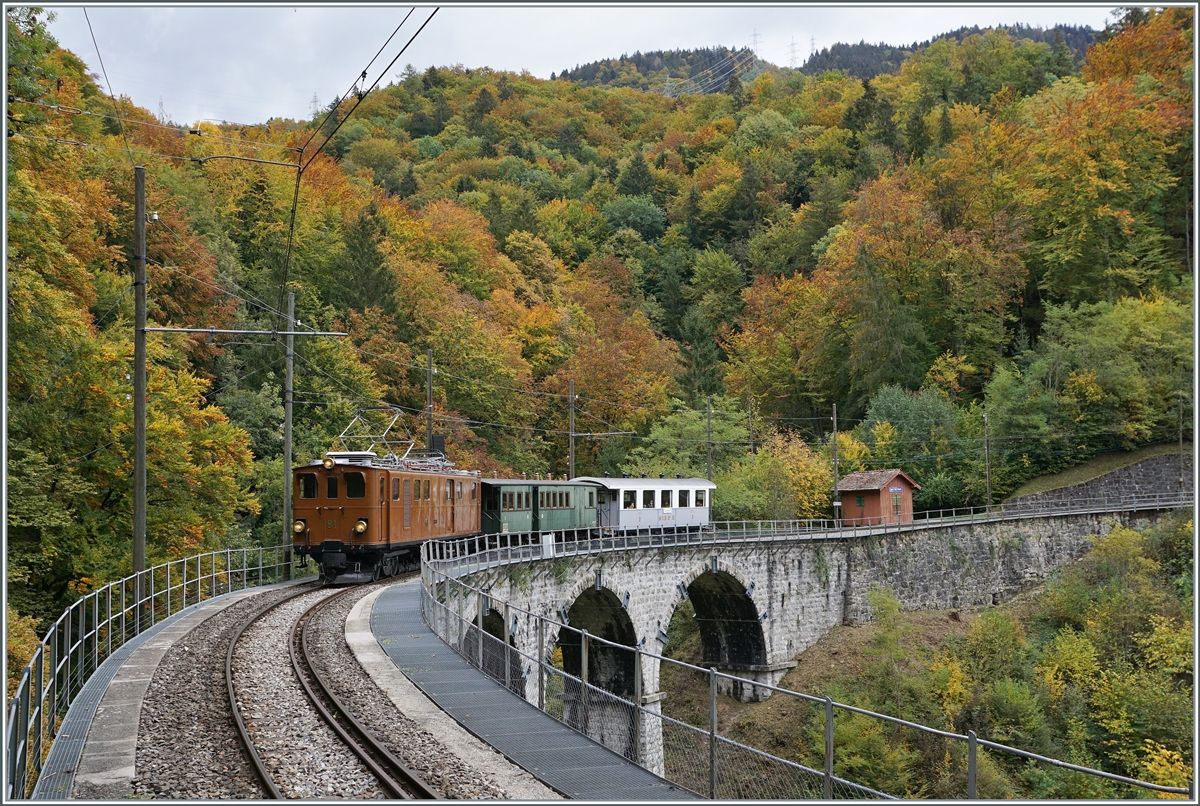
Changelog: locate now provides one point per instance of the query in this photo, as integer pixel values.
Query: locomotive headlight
(298, 527)
(328, 462)
(361, 526)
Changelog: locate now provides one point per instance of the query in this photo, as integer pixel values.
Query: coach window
(395, 489)
(356, 485)
(683, 498)
(331, 487)
(647, 499)
(699, 498)
(591, 499)
(665, 499)
(308, 485)
(630, 500)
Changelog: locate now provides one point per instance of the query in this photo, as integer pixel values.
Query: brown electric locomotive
(361, 517)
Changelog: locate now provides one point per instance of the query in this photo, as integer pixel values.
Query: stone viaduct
(758, 600)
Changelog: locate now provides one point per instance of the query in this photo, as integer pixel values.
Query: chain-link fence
(100, 623)
(554, 670)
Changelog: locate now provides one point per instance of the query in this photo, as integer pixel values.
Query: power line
(256, 145)
(106, 81)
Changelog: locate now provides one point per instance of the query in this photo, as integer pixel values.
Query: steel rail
(385, 766)
(259, 768)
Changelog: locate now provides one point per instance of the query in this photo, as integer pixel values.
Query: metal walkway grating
(560, 757)
(57, 779)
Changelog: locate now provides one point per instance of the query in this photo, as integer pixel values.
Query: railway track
(285, 728)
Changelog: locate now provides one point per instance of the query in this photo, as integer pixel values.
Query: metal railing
(698, 757)
(93, 628)
(485, 551)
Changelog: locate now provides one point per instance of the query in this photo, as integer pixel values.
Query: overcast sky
(248, 64)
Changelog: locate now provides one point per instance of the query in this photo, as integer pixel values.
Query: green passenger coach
(522, 505)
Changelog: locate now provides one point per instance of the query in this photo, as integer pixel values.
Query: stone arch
(731, 632)
(602, 615)
(496, 654)
(610, 670)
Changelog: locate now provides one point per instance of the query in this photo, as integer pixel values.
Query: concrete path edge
(519, 784)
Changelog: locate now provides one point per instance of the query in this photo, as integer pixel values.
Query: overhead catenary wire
(257, 145)
(107, 83)
(300, 172)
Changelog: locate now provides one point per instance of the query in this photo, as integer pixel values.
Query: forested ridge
(864, 60)
(992, 226)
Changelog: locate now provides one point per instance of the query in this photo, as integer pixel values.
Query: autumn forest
(996, 226)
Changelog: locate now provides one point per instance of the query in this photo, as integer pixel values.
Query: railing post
(712, 732)
(583, 656)
(541, 656)
(507, 672)
(52, 642)
(459, 629)
(479, 626)
(82, 644)
(108, 613)
(168, 587)
(972, 751)
(39, 703)
(828, 793)
(151, 572)
(23, 727)
(637, 705)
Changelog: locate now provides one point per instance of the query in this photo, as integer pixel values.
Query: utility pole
(710, 437)
(287, 439)
(139, 388)
(837, 498)
(750, 417)
(987, 457)
(429, 400)
(1181, 439)
(571, 437)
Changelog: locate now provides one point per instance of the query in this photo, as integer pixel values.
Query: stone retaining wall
(1158, 475)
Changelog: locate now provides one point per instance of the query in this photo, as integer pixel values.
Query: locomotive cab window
(630, 501)
(395, 489)
(331, 487)
(356, 485)
(458, 490)
(308, 485)
(683, 498)
(474, 490)
(425, 489)
(449, 489)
